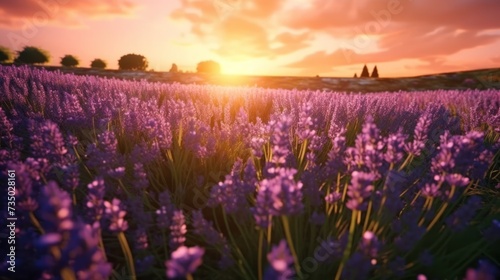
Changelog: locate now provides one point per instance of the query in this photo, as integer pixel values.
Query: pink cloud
(397, 46)
(17, 14)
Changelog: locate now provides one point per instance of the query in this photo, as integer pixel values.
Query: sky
(264, 37)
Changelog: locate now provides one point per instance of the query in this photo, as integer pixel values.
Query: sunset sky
(264, 37)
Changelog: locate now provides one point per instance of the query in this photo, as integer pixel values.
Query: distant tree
(355, 75)
(209, 66)
(133, 62)
(69, 61)
(365, 73)
(98, 63)
(375, 72)
(174, 68)
(5, 54)
(32, 55)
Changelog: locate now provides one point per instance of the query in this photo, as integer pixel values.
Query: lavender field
(111, 179)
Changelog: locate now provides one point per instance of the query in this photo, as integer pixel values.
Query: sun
(247, 67)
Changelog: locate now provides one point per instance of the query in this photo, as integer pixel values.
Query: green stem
(101, 245)
(288, 235)
(441, 210)
(259, 258)
(348, 249)
(128, 254)
(235, 244)
(407, 160)
(35, 222)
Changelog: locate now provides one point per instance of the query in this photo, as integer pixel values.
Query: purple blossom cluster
(279, 196)
(386, 183)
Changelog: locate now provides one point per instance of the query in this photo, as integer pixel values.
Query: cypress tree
(375, 72)
(365, 73)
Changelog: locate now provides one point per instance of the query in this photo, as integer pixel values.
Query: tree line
(131, 61)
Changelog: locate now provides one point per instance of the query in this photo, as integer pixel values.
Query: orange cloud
(372, 31)
(20, 13)
(240, 29)
(408, 45)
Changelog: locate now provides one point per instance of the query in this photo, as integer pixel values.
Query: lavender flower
(278, 196)
(460, 219)
(56, 211)
(177, 230)
(333, 197)
(6, 127)
(140, 177)
(305, 130)
(75, 242)
(48, 142)
(395, 148)
(232, 192)
(103, 155)
(141, 239)
(184, 261)
(95, 199)
(281, 261)
(25, 193)
(115, 215)
(139, 215)
(485, 271)
(360, 189)
(280, 142)
(367, 154)
(369, 245)
(420, 135)
(205, 228)
(163, 215)
(358, 266)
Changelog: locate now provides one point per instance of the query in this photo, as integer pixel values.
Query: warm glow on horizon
(264, 37)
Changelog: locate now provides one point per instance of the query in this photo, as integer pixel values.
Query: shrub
(98, 63)
(5, 54)
(32, 55)
(69, 61)
(174, 68)
(133, 62)
(209, 66)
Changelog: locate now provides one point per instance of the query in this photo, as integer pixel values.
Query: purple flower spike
(278, 196)
(184, 261)
(95, 199)
(457, 180)
(177, 230)
(369, 245)
(115, 215)
(485, 271)
(360, 188)
(281, 261)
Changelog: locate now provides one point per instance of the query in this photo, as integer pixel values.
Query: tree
(5, 54)
(375, 72)
(209, 67)
(69, 61)
(133, 61)
(355, 75)
(174, 68)
(98, 63)
(32, 55)
(364, 73)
